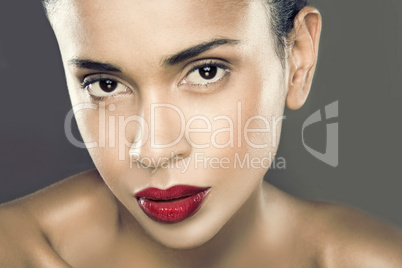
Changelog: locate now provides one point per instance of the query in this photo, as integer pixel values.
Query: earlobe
(303, 54)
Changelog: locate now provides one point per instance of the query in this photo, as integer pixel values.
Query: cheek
(108, 136)
(260, 106)
(244, 140)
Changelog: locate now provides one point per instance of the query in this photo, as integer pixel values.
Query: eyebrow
(94, 65)
(196, 50)
(168, 61)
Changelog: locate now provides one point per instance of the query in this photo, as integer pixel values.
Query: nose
(163, 137)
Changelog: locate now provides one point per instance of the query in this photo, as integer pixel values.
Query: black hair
(283, 14)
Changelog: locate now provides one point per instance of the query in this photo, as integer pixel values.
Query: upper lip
(174, 192)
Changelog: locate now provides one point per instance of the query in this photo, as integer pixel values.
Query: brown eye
(108, 85)
(208, 72)
(205, 74)
(105, 87)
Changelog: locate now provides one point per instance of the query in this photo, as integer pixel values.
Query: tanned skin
(92, 219)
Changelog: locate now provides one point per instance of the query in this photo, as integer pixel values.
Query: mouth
(172, 205)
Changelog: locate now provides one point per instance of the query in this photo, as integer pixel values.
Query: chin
(189, 234)
(186, 243)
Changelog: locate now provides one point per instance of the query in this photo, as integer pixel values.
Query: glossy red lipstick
(172, 205)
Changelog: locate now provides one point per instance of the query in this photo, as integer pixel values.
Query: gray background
(358, 65)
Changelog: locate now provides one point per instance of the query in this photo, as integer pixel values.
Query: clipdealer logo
(331, 155)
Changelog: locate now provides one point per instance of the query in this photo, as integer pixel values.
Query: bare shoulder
(352, 238)
(48, 226)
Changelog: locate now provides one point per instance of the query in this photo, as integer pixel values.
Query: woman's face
(175, 93)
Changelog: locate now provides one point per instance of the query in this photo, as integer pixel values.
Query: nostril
(143, 165)
(150, 163)
(178, 157)
(136, 158)
(143, 162)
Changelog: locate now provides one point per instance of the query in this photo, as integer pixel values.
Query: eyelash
(204, 64)
(97, 98)
(94, 79)
(97, 78)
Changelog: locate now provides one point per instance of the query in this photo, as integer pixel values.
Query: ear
(302, 58)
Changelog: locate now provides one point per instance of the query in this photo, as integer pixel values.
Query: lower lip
(172, 211)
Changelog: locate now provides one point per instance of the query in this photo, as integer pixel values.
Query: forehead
(92, 28)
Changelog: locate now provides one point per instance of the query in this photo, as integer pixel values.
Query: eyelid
(94, 78)
(204, 63)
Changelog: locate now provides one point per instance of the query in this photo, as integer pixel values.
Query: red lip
(172, 205)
